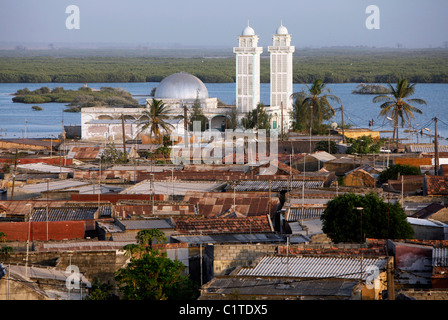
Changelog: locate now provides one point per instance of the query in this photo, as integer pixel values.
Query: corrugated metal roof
(276, 185)
(166, 187)
(313, 267)
(249, 287)
(52, 185)
(42, 167)
(146, 224)
(296, 214)
(423, 148)
(232, 238)
(64, 214)
(440, 257)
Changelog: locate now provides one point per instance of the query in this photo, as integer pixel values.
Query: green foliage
(112, 155)
(395, 170)
(36, 108)
(4, 250)
(312, 107)
(257, 118)
(197, 115)
(323, 146)
(154, 277)
(99, 291)
(398, 106)
(83, 97)
(155, 119)
(363, 145)
(342, 220)
(335, 65)
(151, 275)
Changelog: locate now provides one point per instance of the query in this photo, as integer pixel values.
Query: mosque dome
(282, 30)
(180, 86)
(248, 31)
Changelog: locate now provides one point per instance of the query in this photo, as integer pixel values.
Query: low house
(127, 229)
(428, 229)
(94, 153)
(440, 267)
(435, 185)
(39, 283)
(412, 262)
(214, 204)
(259, 224)
(363, 176)
(303, 277)
(428, 211)
(314, 161)
(53, 230)
(409, 185)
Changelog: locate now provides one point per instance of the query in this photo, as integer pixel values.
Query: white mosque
(182, 90)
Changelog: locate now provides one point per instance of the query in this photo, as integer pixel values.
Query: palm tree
(155, 118)
(396, 106)
(317, 102)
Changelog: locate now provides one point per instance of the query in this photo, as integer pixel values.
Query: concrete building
(281, 78)
(247, 71)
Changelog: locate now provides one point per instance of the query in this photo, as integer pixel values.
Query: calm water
(19, 120)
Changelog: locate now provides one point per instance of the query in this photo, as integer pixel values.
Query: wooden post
(124, 138)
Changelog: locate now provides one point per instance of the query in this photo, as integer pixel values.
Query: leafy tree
(4, 250)
(197, 115)
(397, 106)
(342, 219)
(155, 119)
(299, 114)
(150, 274)
(257, 118)
(393, 171)
(232, 119)
(363, 145)
(154, 277)
(99, 291)
(316, 103)
(323, 146)
(112, 155)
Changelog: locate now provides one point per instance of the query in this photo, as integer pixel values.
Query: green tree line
(332, 66)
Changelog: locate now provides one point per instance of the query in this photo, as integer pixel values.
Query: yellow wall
(356, 133)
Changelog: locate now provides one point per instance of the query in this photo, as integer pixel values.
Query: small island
(370, 89)
(77, 99)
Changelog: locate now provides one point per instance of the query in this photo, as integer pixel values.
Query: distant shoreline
(331, 65)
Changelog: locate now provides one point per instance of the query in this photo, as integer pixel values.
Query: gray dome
(180, 86)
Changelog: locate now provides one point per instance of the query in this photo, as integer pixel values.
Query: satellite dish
(334, 125)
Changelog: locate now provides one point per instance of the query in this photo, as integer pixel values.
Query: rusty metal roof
(314, 267)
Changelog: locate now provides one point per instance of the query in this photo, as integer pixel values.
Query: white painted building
(281, 54)
(182, 90)
(247, 71)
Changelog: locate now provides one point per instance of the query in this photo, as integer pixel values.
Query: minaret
(247, 71)
(281, 71)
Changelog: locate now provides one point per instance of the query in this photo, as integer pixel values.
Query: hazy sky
(413, 23)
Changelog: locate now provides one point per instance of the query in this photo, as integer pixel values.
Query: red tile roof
(223, 225)
(436, 185)
(213, 204)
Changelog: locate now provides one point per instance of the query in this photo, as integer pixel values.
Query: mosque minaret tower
(247, 71)
(281, 54)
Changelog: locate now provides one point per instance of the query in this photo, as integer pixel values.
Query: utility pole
(436, 149)
(185, 125)
(343, 133)
(14, 174)
(282, 121)
(311, 126)
(390, 281)
(124, 138)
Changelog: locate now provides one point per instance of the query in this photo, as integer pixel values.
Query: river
(18, 120)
